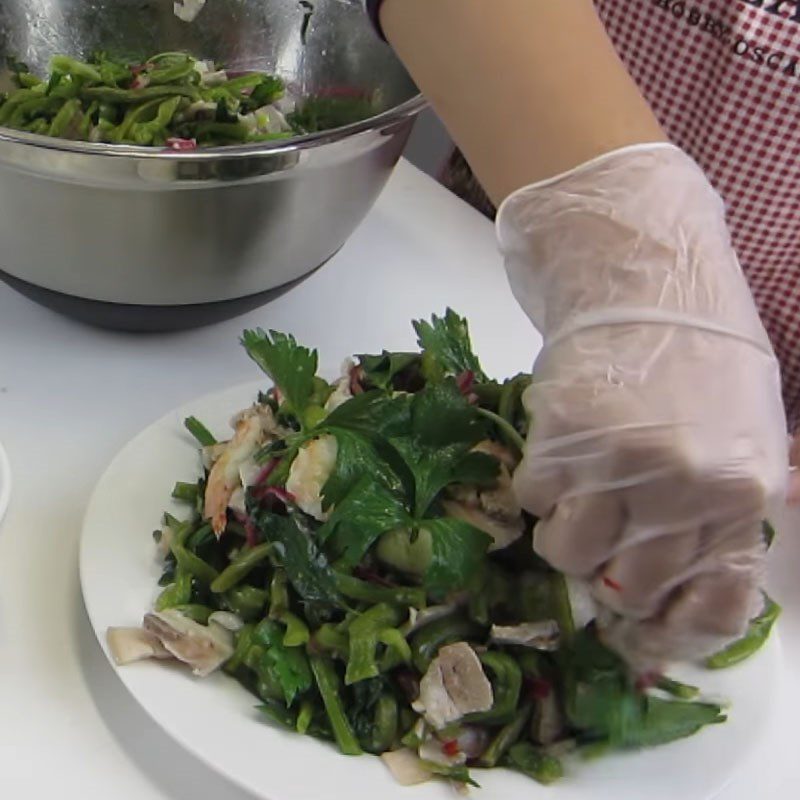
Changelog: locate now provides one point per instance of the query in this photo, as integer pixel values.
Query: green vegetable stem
(755, 638)
(241, 567)
(328, 685)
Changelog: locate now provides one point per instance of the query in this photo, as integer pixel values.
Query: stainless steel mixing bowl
(132, 237)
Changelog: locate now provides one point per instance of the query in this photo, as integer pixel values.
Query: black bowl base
(144, 318)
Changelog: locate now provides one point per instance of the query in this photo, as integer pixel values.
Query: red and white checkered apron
(723, 77)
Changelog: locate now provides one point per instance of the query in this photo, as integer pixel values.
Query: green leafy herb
(654, 721)
(291, 366)
(602, 703)
(458, 550)
(372, 414)
(368, 510)
(288, 664)
(441, 415)
(356, 457)
(265, 92)
(381, 370)
(325, 113)
(305, 564)
(432, 468)
(446, 340)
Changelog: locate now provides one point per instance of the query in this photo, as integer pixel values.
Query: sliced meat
(454, 685)
(544, 635)
(494, 510)
(204, 649)
(406, 767)
(134, 644)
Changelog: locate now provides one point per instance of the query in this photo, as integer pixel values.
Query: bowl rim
(404, 110)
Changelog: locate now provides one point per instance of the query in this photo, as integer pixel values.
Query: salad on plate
(355, 557)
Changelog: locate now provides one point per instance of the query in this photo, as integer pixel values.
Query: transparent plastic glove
(659, 436)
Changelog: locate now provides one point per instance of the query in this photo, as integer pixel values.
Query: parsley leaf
(446, 340)
(381, 370)
(476, 469)
(288, 665)
(291, 366)
(441, 415)
(362, 426)
(658, 721)
(601, 702)
(368, 510)
(358, 456)
(305, 564)
(432, 469)
(457, 553)
(444, 427)
(372, 413)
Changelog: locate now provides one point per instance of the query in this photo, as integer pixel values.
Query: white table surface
(71, 396)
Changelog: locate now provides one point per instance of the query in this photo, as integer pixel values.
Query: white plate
(215, 718)
(5, 482)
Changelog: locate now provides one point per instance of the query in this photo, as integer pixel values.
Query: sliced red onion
(181, 145)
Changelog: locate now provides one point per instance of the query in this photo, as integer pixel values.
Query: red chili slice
(451, 748)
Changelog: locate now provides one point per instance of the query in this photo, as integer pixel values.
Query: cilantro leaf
(288, 665)
(457, 549)
(446, 340)
(368, 510)
(306, 566)
(291, 367)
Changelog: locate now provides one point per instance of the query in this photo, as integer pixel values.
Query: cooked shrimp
(224, 479)
(310, 471)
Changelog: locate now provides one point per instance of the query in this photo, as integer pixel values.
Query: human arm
(528, 88)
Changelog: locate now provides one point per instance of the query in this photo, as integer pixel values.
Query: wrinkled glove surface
(658, 441)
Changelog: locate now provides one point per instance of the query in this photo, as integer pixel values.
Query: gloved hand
(658, 437)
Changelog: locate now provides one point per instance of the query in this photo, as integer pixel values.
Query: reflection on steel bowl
(152, 238)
